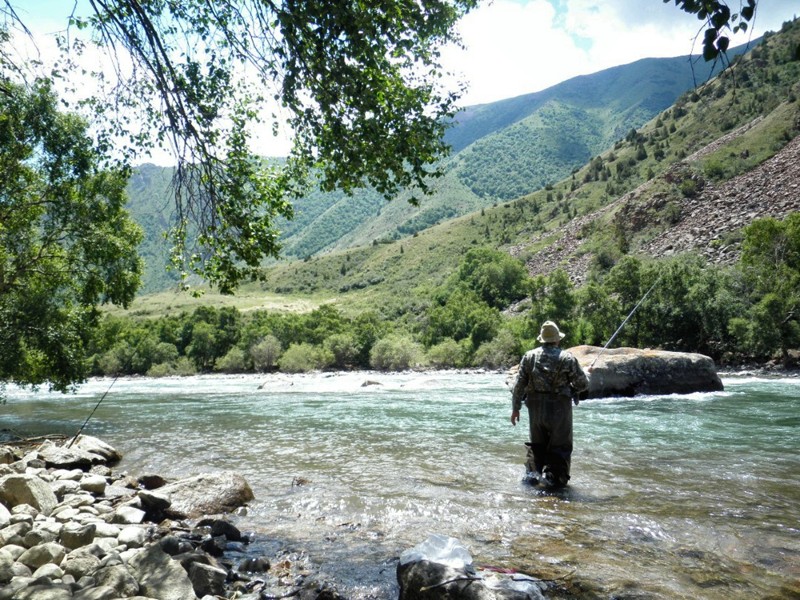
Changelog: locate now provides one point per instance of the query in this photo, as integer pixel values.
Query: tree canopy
(66, 241)
(361, 83)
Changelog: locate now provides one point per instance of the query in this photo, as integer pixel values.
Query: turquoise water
(691, 496)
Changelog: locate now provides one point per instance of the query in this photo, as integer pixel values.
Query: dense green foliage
(361, 83)
(66, 242)
(745, 312)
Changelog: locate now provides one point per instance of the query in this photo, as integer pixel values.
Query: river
(692, 496)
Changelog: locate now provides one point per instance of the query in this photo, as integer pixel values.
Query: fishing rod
(103, 397)
(96, 406)
(611, 339)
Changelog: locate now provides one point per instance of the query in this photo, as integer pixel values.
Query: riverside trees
(66, 241)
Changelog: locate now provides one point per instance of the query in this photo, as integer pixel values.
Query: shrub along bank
(741, 313)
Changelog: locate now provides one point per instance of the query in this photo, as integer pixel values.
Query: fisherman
(548, 379)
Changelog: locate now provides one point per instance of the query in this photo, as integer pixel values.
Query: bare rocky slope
(701, 223)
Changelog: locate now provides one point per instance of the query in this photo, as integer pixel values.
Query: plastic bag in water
(440, 549)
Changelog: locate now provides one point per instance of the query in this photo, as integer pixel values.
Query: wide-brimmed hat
(550, 333)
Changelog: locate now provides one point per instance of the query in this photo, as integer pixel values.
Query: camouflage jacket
(548, 370)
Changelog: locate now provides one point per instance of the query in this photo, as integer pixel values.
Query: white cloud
(517, 47)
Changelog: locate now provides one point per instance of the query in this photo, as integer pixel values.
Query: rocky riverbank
(72, 528)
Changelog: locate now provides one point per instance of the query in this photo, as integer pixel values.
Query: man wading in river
(547, 380)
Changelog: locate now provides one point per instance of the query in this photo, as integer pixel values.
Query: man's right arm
(521, 384)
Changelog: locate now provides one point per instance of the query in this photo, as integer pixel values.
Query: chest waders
(550, 419)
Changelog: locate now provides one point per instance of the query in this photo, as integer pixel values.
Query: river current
(690, 496)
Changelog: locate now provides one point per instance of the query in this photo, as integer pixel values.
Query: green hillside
(502, 150)
(763, 87)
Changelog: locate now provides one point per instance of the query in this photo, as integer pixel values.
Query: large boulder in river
(631, 372)
(206, 494)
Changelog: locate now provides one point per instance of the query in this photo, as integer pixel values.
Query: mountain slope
(503, 150)
(688, 180)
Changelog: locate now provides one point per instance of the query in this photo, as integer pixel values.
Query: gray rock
(6, 564)
(61, 457)
(67, 474)
(132, 537)
(115, 492)
(95, 484)
(49, 570)
(208, 493)
(5, 516)
(106, 529)
(14, 551)
(38, 536)
(118, 578)
(98, 447)
(630, 372)
(207, 579)
(127, 515)
(25, 509)
(97, 593)
(159, 576)
(7, 455)
(20, 570)
(44, 592)
(14, 534)
(62, 487)
(44, 553)
(20, 518)
(26, 489)
(74, 535)
(80, 565)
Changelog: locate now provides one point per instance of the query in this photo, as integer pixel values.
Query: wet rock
(27, 489)
(630, 372)
(154, 502)
(222, 527)
(151, 481)
(427, 580)
(205, 494)
(260, 564)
